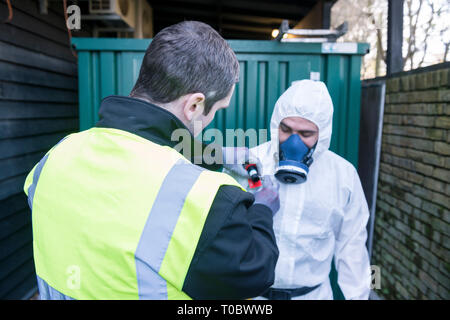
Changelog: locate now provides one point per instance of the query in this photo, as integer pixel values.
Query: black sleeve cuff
(237, 253)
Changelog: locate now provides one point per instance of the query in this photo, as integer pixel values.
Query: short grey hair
(184, 58)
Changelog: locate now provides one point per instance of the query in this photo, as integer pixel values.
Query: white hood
(324, 217)
(310, 100)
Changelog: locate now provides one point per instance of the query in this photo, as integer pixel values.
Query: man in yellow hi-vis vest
(118, 213)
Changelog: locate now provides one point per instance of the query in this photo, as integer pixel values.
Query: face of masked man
(297, 137)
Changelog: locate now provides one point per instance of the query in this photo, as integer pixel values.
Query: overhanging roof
(234, 19)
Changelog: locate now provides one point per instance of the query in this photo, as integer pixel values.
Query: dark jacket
(236, 254)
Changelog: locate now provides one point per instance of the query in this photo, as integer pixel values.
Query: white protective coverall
(324, 217)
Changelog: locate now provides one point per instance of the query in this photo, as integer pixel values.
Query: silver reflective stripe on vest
(47, 292)
(36, 174)
(159, 227)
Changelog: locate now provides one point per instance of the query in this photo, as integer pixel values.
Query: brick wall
(411, 233)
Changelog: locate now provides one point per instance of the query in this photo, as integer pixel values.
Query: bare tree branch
(413, 17)
(447, 45)
(430, 25)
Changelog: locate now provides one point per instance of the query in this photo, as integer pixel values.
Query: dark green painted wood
(25, 271)
(85, 90)
(13, 204)
(30, 127)
(14, 223)
(11, 186)
(24, 145)
(38, 106)
(41, 28)
(16, 259)
(19, 165)
(31, 76)
(25, 92)
(26, 288)
(36, 110)
(15, 241)
(22, 56)
(35, 42)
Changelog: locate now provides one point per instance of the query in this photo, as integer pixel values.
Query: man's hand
(235, 158)
(268, 195)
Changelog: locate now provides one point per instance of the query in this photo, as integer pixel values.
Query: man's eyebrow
(302, 131)
(284, 124)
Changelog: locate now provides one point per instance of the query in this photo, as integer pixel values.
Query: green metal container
(111, 66)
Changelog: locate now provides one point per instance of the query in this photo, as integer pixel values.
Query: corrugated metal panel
(111, 66)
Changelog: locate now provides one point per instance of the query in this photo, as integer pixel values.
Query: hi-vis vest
(116, 216)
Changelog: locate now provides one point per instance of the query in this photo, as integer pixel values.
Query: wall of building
(38, 106)
(412, 223)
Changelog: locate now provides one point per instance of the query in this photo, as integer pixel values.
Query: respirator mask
(294, 162)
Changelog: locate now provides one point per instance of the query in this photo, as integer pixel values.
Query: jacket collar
(139, 117)
(149, 122)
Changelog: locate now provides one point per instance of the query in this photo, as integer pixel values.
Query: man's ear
(194, 105)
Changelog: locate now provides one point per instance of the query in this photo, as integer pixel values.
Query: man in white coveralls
(323, 211)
